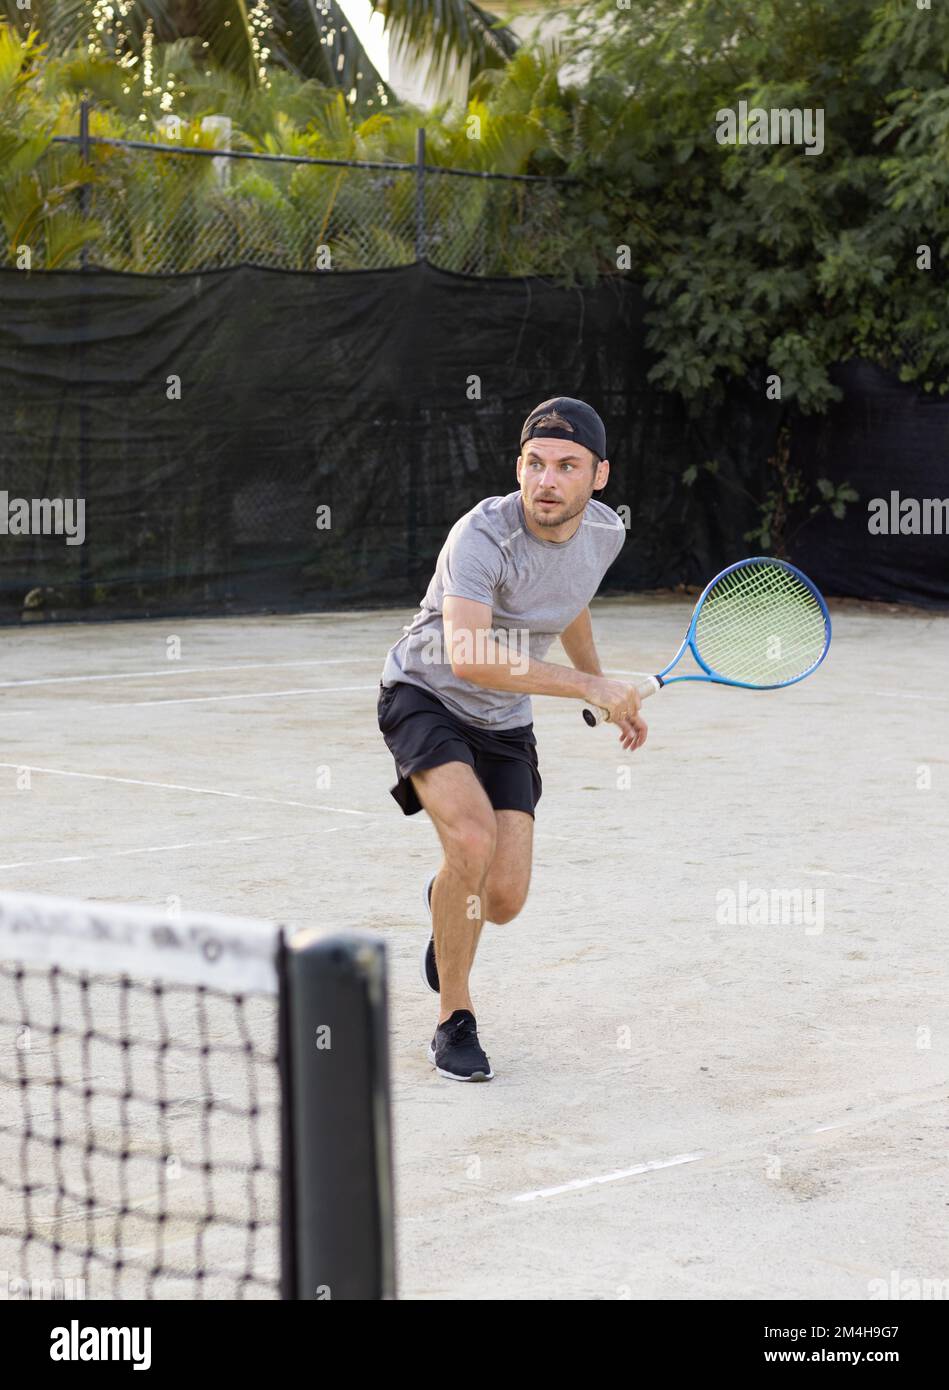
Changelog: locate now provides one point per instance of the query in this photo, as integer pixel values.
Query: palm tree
(40, 223)
(308, 38)
(162, 213)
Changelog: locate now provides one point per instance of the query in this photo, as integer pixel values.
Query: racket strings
(761, 625)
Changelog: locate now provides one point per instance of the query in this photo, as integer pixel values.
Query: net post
(336, 1185)
(288, 1210)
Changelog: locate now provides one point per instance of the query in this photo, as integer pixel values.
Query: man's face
(557, 480)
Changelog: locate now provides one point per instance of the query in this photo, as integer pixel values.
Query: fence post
(420, 194)
(220, 128)
(84, 156)
(82, 325)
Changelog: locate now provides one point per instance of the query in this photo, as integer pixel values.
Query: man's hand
(622, 702)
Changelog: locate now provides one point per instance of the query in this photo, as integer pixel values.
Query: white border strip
(235, 954)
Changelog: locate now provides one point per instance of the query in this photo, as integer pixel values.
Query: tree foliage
(757, 259)
(761, 258)
(249, 42)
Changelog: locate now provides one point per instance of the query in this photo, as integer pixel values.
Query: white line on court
(179, 787)
(638, 1168)
(191, 671)
(252, 695)
(191, 700)
(883, 882)
(929, 1095)
(162, 849)
(903, 695)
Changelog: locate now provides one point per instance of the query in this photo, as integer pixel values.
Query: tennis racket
(760, 624)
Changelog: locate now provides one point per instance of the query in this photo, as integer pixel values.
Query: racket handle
(646, 687)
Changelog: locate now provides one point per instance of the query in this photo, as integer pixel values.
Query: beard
(562, 514)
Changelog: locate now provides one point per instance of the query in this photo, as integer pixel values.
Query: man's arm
(476, 656)
(577, 641)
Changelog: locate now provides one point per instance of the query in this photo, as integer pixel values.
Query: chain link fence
(153, 208)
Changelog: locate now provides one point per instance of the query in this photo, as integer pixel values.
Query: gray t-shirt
(534, 588)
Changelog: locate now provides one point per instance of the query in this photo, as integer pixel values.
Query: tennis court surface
(720, 1027)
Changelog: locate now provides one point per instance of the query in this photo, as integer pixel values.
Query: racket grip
(646, 687)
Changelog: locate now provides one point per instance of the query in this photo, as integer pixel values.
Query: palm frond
(65, 235)
(444, 33)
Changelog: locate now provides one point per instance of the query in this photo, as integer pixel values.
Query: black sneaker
(455, 1051)
(427, 962)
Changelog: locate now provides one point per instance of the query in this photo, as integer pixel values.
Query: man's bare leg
(505, 888)
(467, 827)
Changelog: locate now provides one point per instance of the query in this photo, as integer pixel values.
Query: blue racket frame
(710, 673)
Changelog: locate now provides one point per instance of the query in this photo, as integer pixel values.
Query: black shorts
(420, 732)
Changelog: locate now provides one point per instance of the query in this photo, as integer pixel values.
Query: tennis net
(191, 1106)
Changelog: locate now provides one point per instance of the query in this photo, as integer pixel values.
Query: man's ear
(517, 468)
(602, 475)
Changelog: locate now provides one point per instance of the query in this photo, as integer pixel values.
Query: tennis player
(454, 700)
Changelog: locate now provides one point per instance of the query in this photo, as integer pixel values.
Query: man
(454, 706)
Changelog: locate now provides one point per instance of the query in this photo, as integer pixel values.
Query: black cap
(562, 417)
